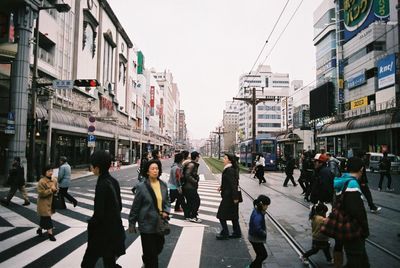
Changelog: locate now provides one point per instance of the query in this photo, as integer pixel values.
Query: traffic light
(86, 83)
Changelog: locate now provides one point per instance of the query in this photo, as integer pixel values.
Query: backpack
(322, 189)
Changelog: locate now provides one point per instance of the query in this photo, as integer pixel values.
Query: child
(258, 230)
(319, 240)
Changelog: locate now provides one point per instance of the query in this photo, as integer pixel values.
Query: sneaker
(389, 189)
(196, 220)
(331, 262)
(304, 260)
(375, 209)
(379, 189)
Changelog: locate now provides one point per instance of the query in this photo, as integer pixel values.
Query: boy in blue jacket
(258, 230)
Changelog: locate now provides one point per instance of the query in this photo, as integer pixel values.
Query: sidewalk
(76, 173)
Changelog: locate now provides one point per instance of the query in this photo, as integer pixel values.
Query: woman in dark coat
(106, 234)
(229, 206)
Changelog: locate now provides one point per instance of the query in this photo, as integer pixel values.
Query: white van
(374, 159)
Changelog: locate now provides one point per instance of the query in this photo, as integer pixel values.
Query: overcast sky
(208, 44)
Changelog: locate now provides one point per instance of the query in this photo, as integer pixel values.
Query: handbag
(239, 195)
(338, 224)
(162, 224)
(57, 202)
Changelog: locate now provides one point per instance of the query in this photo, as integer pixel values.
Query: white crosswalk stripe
(184, 254)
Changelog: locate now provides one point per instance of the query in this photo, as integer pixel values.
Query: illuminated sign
(358, 14)
(386, 71)
(359, 103)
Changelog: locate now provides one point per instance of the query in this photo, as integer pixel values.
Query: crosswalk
(21, 247)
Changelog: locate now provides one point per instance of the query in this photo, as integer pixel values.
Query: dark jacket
(352, 202)
(16, 176)
(191, 176)
(290, 163)
(228, 210)
(322, 188)
(385, 164)
(143, 210)
(106, 234)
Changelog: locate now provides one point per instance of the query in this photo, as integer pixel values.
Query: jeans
(316, 246)
(387, 174)
(193, 203)
(356, 254)
(261, 255)
(152, 245)
(235, 225)
(175, 195)
(64, 194)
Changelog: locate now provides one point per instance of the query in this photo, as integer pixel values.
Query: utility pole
(210, 140)
(253, 101)
(219, 133)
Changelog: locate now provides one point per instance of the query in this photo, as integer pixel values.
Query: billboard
(386, 71)
(359, 14)
(356, 80)
(322, 102)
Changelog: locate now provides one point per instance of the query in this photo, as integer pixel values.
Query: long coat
(228, 210)
(45, 196)
(106, 234)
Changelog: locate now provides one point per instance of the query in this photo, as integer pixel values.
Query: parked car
(374, 159)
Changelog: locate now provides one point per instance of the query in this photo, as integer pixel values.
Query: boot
(51, 237)
(337, 259)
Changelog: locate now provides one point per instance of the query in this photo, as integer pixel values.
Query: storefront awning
(363, 124)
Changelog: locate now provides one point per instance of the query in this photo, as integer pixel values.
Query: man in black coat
(106, 234)
(289, 171)
(16, 180)
(322, 185)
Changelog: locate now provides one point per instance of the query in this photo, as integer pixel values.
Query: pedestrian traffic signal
(86, 83)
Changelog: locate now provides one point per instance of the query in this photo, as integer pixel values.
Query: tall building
(230, 125)
(273, 86)
(364, 90)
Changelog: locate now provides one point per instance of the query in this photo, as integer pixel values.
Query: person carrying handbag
(229, 206)
(46, 188)
(150, 206)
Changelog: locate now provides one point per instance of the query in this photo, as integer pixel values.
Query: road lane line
(186, 253)
(133, 256)
(17, 239)
(14, 218)
(35, 252)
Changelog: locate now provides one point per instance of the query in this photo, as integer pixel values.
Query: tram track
(370, 242)
(286, 235)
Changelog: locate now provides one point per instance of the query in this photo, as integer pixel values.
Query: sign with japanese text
(152, 100)
(359, 14)
(356, 80)
(359, 103)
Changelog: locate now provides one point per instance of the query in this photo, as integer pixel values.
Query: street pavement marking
(14, 218)
(215, 188)
(73, 259)
(91, 203)
(35, 252)
(212, 191)
(5, 229)
(209, 194)
(126, 191)
(16, 239)
(124, 202)
(201, 177)
(126, 196)
(210, 203)
(187, 253)
(214, 210)
(133, 256)
(211, 198)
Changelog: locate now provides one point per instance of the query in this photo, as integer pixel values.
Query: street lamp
(61, 8)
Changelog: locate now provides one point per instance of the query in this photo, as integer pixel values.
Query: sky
(208, 44)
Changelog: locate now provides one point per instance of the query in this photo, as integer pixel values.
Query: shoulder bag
(57, 202)
(338, 224)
